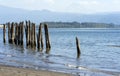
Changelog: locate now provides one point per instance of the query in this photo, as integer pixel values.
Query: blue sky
(74, 6)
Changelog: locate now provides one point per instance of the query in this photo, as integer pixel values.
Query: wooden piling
(78, 47)
(34, 31)
(32, 36)
(4, 33)
(12, 33)
(48, 46)
(40, 38)
(27, 34)
(9, 32)
(16, 34)
(26, 24)
(21, 32)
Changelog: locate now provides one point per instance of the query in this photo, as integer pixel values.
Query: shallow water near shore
(100, 52)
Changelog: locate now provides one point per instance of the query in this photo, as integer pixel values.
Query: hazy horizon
(68, 6)
(60, 10)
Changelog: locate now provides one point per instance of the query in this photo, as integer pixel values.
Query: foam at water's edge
(93, 70)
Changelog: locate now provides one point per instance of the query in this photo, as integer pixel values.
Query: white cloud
(79, 6)
(93, 6)
(50, 1)
(86, 2)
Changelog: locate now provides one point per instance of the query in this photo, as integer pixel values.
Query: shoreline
(14, 71)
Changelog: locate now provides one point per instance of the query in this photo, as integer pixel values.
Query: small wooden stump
(78, 47)
(48, 46)
(4, 33)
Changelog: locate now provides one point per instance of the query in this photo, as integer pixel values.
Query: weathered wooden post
(29, 29)
(22, 32)
(16, 33)
(32, 35)
(78, 47)
(40, 38)
(19, 34)
(9, 32)
(27, 34)
(34, 31)
(4, 33)
(12, 33)
(48, 46)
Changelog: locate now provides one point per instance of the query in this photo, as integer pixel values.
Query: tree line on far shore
(81, 25)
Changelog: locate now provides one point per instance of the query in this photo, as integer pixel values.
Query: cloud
(77, 6)
(50, 1)
(95, 6)
(87, 2)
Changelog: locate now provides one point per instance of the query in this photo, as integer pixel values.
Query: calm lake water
(100, 52)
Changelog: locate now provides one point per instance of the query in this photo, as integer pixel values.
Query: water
(100, 52)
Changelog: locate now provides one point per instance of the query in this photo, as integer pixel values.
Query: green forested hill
(80, 25)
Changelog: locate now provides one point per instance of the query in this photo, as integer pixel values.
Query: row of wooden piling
(16, 36)
(33, 40)
(15, 33)
(30, 31)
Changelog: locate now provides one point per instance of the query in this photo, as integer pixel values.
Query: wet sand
(14, 71)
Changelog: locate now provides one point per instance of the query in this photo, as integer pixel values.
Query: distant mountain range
(16, 14)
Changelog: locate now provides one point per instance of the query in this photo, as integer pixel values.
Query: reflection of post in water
(4, 33)
(40, 38)
(48, 46)
(78, 47)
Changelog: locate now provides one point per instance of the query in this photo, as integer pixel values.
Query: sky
(72, 6)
